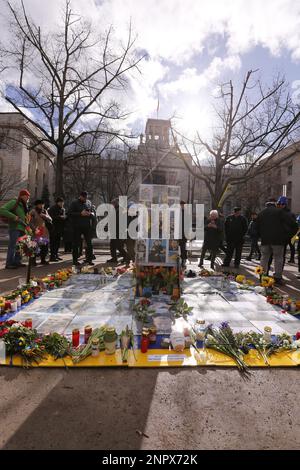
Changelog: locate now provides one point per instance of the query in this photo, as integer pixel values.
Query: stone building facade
(157, 162)
(23, 158)
(281, 179)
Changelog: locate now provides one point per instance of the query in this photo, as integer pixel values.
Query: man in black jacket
(282, 203)
(274, 225)
(58, 214)
(235, 230)
(80, 213)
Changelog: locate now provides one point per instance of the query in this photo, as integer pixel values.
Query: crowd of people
(275, 227)
(50, 227)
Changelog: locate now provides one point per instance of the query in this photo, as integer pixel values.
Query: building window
(1, 166)
(154, 177)
(3, 140)
(289, 188)
(290, 170)
(172, 178)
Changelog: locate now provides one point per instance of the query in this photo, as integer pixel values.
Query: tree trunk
(59, 173)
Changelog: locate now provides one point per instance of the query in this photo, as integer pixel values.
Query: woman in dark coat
(212, 238)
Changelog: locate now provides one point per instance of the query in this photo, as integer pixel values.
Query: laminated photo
(174, 192)
(173, 251)
(157, 251)
(146, 192)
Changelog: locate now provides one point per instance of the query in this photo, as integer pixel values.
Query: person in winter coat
(252, 232)
(236, 227)
(274, 226)
(80, 213)
(58, 214)
(282, 203)
(117, 244)
(14, 212)
(212, 238)
(40, 220)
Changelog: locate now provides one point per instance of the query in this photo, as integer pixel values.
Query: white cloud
(190, 81)
(174, 32)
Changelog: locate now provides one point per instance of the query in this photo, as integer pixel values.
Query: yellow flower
(240, 278)
(259, 270)
(250, 283)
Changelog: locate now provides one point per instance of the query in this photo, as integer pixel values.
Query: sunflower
(259, 270)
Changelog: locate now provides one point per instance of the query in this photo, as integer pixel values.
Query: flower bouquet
(142, 312)
(56, 345)
(126, 342)
(170, 278)
(29, 248)
(22, 341)
(225, 341)
(85, 350)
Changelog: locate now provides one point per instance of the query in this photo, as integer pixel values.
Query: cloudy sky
(191, 46)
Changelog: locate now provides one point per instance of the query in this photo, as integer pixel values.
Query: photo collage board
(159, 251)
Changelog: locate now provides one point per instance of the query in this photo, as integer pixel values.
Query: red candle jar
(28, 323)
(87, 333)
(7, 305)
(75, 338)
(145, 341)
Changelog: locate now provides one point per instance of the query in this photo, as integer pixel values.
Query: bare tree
(253, 124)
(105, 176)
(65, 78)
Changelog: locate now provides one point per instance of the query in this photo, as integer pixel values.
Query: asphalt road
(175, 409)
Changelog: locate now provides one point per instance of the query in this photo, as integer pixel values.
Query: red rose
(298, 335)
(4, 332)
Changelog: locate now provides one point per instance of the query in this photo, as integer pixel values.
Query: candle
(87, 333)
(267, 333)
(28, 323)
(75, 338)
(95, 347)
(145, 340)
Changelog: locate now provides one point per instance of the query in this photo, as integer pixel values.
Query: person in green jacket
(15, 212)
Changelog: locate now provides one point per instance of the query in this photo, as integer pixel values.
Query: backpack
(6, 220)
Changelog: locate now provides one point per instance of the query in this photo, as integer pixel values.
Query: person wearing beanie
(14, 213)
